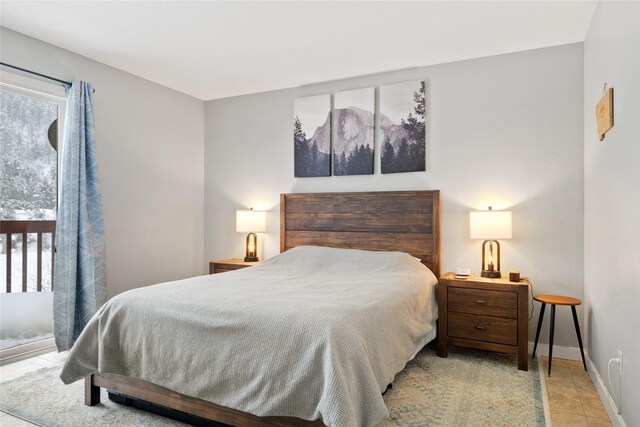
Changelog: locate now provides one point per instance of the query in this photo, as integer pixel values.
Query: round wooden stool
(557, 300)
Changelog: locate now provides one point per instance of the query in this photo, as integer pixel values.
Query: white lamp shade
(250, 221)
(490, 225)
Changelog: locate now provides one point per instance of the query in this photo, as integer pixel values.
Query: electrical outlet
(620, 363)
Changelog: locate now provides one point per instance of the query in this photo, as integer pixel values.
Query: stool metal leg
(575, 322)
(553, 321)
(540, 317)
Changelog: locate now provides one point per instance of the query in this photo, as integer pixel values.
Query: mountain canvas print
(353, 122)
(312, 136)
(402, 112)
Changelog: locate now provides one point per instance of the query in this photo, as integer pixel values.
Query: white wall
(150, 143)
(504, 131)
(612, 199)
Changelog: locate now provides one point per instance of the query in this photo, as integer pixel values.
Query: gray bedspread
(311, 333)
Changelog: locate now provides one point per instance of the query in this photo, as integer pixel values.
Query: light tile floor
(22, 367)
(573, 400)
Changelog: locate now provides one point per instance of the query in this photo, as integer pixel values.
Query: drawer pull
(480, 301)
(481, 327)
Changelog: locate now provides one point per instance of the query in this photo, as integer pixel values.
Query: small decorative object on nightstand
(230, 264)
(489, 314)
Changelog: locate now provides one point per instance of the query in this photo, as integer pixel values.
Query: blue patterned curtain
(79, 283)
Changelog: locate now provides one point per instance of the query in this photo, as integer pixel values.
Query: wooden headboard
(406, 221)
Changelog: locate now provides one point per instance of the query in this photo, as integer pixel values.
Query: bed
(339, 383)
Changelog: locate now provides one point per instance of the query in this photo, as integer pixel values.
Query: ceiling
(219, 49)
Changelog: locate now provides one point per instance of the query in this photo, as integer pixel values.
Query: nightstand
(488, 314)
(224, 265)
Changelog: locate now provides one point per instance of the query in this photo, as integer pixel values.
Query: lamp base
(251, 259)
(491, 274)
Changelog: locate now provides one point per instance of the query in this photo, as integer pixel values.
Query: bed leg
(91, 392)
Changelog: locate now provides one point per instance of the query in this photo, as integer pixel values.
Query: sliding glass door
(30, 131)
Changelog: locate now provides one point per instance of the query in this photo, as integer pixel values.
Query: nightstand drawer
(217, 270)
(483, 302)
(483, 328)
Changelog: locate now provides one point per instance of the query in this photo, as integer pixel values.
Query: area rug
(469, 388)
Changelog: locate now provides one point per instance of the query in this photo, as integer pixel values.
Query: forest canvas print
(312, 136)
(402, 126)
(353, 122)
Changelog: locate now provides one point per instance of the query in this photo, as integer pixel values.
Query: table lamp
(490, 225)
(252, 222)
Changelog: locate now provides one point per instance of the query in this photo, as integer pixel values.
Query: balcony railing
(23, 228)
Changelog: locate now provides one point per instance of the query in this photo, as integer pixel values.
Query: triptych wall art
(346, 132)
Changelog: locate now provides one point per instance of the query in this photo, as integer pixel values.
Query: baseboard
(25, 351)
(603, 392)
(559, 351)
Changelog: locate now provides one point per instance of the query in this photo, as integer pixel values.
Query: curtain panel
(79, 279)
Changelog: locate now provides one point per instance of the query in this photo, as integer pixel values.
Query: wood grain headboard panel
(406, 221)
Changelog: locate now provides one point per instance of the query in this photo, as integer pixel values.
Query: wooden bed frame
(406, 221)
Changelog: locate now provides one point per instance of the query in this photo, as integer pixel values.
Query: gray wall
(504, 131)
(150, 144)
(612, 200)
